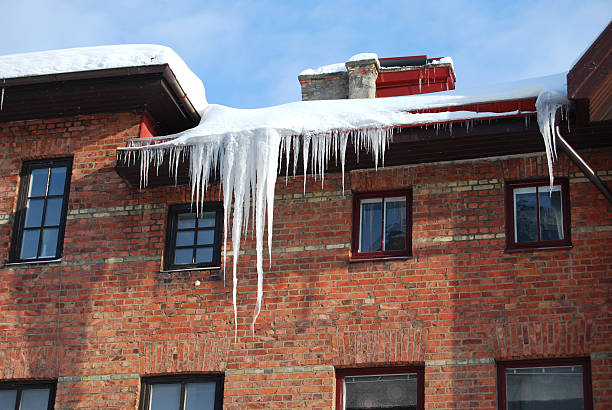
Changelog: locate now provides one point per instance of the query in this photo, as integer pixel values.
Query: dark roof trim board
(153, 88)
(589, 82)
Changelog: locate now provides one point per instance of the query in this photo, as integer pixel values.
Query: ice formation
(548, 104)
(247, 146)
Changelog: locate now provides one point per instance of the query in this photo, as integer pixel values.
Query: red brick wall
(106, 315)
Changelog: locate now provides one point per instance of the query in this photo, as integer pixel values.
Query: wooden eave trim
(84, 75)
(592, 68)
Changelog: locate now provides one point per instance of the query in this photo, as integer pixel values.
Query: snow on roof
(104, 57)
(364, 56)
(314, 117)
(443, 60)
(326, 69)
(339, 67)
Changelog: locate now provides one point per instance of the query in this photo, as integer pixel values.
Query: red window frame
(357, 200)
(575, 361)
(511, 243)
(381, 371)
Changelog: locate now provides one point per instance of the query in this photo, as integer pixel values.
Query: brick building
(449, 278)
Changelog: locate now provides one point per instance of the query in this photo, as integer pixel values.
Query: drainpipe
(584, 167)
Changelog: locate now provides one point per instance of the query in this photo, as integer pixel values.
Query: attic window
(381, 224)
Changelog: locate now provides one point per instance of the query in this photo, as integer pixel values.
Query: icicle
(2, 99)
(547, 105)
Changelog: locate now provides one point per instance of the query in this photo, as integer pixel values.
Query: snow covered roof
(104, 57)
(315, 117)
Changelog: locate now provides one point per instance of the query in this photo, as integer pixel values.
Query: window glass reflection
(395, 224)
(7, 399)
(200, 396)
(525, 211)
(371, 226)
(34, 399)
(165, 396)
(57, 180)
(559, 388)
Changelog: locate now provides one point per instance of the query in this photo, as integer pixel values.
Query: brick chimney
(367, 76)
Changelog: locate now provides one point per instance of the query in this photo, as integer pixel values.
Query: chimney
(366, 76)
(362, 74)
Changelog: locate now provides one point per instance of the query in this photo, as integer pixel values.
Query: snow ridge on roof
(339, 67)
(326, 69)
(104, 57)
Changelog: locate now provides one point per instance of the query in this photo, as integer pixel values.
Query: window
(194, 241)
(380, 388)
(41, 210)
(381, 224)
(27, 395)
(537, 215)
(553, 384)
(189, 392)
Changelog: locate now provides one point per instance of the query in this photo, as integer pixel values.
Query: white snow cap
(339, 67)
(364, 56)
(444, 60)
(326, 69)
(104, 57)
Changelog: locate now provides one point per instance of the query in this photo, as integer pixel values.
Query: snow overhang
(151, 88)
(101, 79)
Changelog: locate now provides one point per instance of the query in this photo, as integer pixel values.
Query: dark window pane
(53, 212)
(551, 214)
(182, 256)
(7, 399)
(48, 247)
(186, 221)
(395, 224)
(525, 214)
(57, 180)
(200, 396)
(29, 245)
(34, 213)
(381, 392)
(558, 388)
(165, 396)
(38, 182)
(185, 238)
(370, 239)
(34, 399)
(207, 219)
(206, 237)
(204, 255)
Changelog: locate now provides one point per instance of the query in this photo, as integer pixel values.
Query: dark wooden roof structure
(152, 88)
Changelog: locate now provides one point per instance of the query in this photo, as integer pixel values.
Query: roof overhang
(589, 82)
(449, 141)
(153, 88)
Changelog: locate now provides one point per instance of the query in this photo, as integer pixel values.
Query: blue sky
(249, 53)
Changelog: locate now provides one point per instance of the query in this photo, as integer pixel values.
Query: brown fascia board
(170, 84)
(592, 68)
